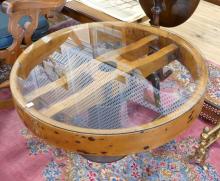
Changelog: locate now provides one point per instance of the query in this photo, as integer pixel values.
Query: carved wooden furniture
(83, 93)
(211, 108)
(207, 138)
(211, 114)
(22, 21)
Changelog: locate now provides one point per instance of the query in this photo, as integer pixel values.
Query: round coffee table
(107, 90)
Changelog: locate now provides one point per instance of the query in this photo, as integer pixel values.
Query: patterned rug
(25, 157)
(169, 162)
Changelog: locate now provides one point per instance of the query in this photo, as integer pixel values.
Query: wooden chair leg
(207, 138)
(7, 104)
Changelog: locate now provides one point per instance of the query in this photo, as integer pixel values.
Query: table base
(102, 159)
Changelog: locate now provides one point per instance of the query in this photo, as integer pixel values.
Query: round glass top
(105, 76)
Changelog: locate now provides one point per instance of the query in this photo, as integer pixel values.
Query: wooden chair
(22, 22)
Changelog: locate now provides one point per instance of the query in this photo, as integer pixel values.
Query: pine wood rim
(192, 103)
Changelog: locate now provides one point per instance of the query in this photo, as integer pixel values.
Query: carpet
(25, 157)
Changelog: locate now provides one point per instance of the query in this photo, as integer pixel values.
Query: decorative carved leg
(207, 138)
(201, 152)
(6, 103)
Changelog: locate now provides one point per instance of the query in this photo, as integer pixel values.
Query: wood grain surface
(202, 29)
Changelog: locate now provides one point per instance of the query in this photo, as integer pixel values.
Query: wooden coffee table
(94, 89)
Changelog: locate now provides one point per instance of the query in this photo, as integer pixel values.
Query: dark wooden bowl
(174, 13)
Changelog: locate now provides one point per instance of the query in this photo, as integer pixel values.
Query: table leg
(102, 159)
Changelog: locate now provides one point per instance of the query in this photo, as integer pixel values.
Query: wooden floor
(203, 30)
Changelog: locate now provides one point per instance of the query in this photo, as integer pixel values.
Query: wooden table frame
(113, 142)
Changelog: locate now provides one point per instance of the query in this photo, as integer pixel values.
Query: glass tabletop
(107, 77)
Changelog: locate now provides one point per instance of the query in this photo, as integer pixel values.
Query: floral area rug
(24, 157)
(169, 162)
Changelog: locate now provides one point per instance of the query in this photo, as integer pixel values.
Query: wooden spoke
(101, 78)
(125, 65)
(76, 39)
(45, 89)
(146, 64)
(133, 46)
(46, 43)
(62, 81)
(154, 62)
(38, 56)
(89, 101)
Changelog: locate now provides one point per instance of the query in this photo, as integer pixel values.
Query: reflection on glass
(96, 85)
